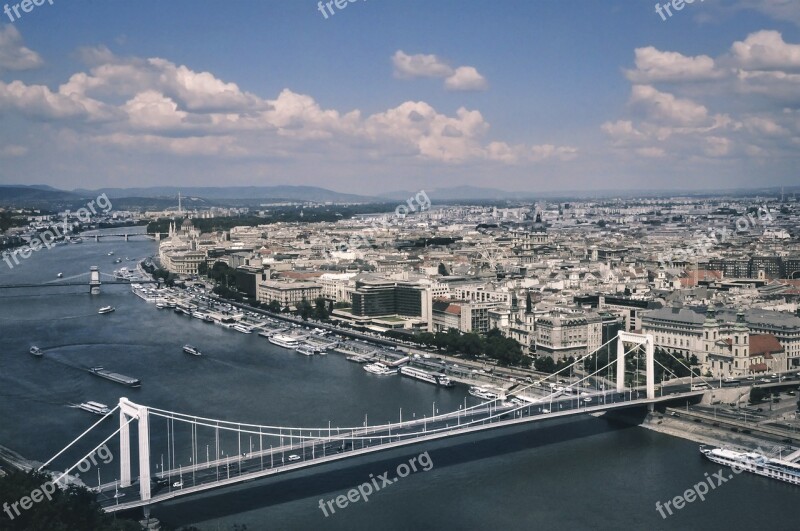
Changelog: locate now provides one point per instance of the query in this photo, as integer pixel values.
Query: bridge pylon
(127, 411)
(639, 339)
(94, 280)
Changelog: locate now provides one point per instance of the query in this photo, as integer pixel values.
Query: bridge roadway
(260, 464)
(86, 284)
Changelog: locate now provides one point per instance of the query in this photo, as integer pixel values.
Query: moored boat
(483, 393)
(755, 463)
(284, 341)
(419, 374)
(306, 350)
(379, 368)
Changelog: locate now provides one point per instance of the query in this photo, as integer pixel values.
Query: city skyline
(533, 97)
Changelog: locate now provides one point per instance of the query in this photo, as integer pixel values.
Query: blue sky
(388, 94)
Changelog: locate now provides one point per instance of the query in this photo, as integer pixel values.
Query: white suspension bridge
(205, 453)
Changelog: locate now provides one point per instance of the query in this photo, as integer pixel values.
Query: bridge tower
(96, 237)
(94, 280)
(127, 411)
(126, 236)
(649, 364)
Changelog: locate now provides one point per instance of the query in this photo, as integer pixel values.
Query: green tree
(545, 364)
(304, 309)
(320, 309)
(757, 395)
(274, 306)
(64, 510)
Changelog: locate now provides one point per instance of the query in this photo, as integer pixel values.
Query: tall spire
(180, 209)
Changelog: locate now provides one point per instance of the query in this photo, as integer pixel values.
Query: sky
(385, 95)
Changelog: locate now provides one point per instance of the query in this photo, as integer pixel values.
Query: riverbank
(704, 433)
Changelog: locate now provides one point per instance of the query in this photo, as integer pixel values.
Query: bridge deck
(451, 431)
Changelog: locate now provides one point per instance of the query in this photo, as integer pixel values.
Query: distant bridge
(157, 236)
(94, 282)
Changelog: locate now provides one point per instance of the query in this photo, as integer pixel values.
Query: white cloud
(422, 65)
(665, 107)
(13, 150)
(13, 54)
(465, 78)
(549, 151)
(419, 65)
(653, 65)
(766, 50)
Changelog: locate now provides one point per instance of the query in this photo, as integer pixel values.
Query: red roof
(454, 309)
(758, 367)
(764, 345)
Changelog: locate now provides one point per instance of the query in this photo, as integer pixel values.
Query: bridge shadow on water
(339, 477)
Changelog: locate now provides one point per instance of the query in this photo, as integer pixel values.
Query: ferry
(106, 309)
(754, 463)
(284, 341)
(36, 351)
(378, 368)
(483, 393)
(192, 350)
(306, 350)
(94, 407)
(115, 377)
(242, 328)
(436, 379)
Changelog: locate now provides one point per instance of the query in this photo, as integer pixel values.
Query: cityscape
(325, 294)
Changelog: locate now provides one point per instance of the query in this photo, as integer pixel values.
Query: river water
(587, 473)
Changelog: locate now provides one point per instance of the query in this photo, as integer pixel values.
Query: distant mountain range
(159, 197)
(290, 193)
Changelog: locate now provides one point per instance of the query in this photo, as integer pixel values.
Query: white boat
(242, 328)
(106, 309)
(754, 463)
(192, 350)
(379, 369)
(483, 393)
(419, 374)
(284, 341)
(60, 275)
(306, 350)
(94, 407)
(36, 351)
(111, 253)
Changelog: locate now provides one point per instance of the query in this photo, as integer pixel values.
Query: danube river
(582, 474)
